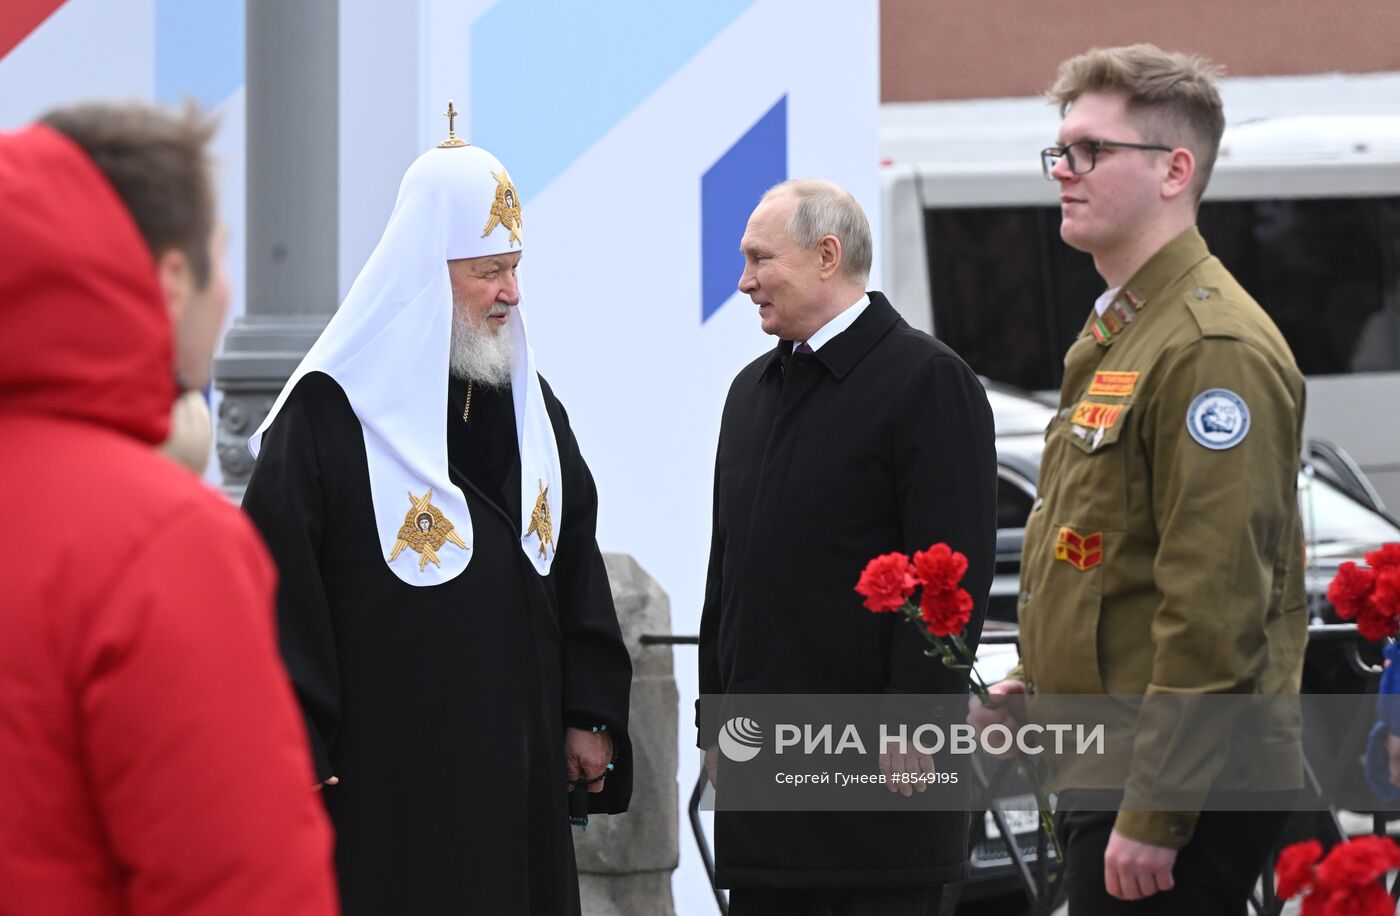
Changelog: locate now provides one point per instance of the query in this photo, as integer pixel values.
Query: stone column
(625, 861)
(292, 245)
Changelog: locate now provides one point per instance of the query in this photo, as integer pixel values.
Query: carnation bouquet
(1345, 883)
(944, 608)
(1370, 594)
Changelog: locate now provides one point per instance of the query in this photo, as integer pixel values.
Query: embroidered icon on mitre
(539, 521)
(425, 529)
(505, 209)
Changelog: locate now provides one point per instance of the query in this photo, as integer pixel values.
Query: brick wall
(964, 49)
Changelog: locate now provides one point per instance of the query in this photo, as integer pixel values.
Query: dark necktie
(800, 348)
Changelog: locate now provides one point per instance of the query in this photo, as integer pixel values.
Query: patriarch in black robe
(443, 607)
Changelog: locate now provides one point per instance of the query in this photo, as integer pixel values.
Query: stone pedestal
(625, 861)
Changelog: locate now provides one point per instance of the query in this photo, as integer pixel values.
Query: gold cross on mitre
(425, 529)
(452, 140)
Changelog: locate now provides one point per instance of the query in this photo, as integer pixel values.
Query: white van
(1305, 211)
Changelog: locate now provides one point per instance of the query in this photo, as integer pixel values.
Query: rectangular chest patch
(1113, 384)
(1093, 415)
(1082, 551)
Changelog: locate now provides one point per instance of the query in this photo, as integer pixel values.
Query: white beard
(479, 354)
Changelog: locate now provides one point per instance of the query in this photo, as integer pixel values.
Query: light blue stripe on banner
(550, 79)
(199, 50)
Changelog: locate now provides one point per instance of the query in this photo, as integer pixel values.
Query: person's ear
(1181, 170)
(828, 256)
(176, 282)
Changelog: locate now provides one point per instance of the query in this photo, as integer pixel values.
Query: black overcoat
(880, 441)
(441, 709)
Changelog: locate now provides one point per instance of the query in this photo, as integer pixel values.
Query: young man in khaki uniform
(1164, 552)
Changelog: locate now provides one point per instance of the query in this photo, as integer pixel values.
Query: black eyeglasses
(1083, 155)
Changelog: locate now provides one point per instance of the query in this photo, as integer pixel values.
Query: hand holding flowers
(943, 612)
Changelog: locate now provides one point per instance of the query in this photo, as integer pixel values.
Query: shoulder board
(1218, 314)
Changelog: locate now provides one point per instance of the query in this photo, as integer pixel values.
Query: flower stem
(959, 656)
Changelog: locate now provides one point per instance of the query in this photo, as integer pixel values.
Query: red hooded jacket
(152, 759)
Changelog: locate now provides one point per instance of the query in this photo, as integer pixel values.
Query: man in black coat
(856, 435)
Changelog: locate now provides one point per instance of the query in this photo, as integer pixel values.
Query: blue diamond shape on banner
(729, 190)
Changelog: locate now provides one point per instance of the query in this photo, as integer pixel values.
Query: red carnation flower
(888, 580)
(1385, 597)
(939, 568)
(1388, 557)
(1359, 861)
(1350, 590)
(1295, 871)
(1345, 883)
(1374, 625)
(1354, 900)
(946, 613)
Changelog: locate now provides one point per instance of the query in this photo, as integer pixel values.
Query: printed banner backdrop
(56, 52)
(640, 136)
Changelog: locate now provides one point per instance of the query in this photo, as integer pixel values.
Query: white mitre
(388, 348)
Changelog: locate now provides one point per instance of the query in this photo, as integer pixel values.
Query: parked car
(1343, 518)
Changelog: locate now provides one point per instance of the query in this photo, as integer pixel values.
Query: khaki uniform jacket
(1164, 553)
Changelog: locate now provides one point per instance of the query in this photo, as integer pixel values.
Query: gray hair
(825, 208)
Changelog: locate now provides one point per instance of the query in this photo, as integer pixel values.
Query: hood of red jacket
(84, 332)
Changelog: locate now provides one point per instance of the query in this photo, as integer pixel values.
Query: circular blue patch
(1218, 419)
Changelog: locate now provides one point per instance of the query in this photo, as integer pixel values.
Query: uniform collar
(1171, 262)
(841, 353)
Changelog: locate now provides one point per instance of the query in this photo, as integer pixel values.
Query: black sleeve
(710, 683)
(597, 674)
(946, 480)
(286, 502)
